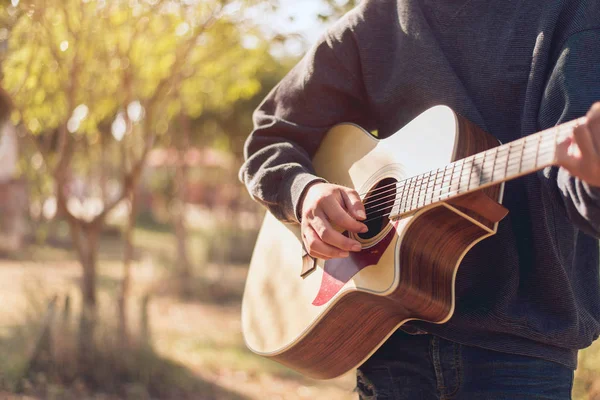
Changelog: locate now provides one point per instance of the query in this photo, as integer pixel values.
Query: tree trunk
(145, 331)
(85, 238)
(183, 262)
(128, 251)
(184, 266)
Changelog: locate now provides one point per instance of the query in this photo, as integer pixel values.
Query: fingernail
(364, 229)
(356, 247)
(344, 254)
(361, 214)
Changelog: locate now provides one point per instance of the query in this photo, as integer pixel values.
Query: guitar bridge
(309, 264)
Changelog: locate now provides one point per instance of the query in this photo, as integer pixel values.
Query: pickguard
(339, 271)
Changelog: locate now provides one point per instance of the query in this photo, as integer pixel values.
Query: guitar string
(417, 195)
(474, 157)
(433, 200)
(431, 184)
(427, 177)
(543, 135)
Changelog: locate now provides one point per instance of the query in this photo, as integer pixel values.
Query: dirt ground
(201, 334)
(203, 337)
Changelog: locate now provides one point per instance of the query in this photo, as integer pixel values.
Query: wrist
(303, 194)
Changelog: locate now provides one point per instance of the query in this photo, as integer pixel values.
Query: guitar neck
(491, 167)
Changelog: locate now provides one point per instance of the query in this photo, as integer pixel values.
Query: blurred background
(124, 233)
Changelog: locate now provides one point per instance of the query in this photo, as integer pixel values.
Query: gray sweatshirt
(513, 67)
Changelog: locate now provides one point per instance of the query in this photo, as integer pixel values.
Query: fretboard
(488, 168)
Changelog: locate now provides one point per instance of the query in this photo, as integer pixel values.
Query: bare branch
(181, 55)
(6, 97)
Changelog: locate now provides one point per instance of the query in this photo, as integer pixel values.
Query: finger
(354, 204)
(316, 246)
(593, 125)
(568, 155)
(583, 138)
(340, 217)
(332, 237)
(594, 113)
(314, 254)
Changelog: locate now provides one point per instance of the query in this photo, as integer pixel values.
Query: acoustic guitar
(431, 191)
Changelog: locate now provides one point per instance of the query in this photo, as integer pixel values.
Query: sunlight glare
(119, 127)
(135, 111)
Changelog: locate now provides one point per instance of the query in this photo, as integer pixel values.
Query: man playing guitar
(528, 298)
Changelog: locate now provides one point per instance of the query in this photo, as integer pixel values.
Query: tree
(92, 84)
(214, 89)
(337, 8)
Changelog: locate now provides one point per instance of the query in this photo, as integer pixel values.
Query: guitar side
(411, 277)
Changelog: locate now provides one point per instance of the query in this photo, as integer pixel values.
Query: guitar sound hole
(378, 205)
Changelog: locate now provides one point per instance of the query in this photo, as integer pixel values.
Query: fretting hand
(580, 152)
(326, 207)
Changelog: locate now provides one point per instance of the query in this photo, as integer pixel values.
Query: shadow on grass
(201, 290)
(137, 372)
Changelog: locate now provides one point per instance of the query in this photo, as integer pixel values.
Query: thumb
(354, 204)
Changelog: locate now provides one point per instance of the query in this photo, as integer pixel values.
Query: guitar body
(327, 319)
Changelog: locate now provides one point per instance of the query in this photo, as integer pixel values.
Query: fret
(537, 150)
(412, 188)
(514, 162)
(470, 176)
(413, 193)
(441, 188)
(473, 173)
(433, 187)
(440, 184)
(494, 162)
(507, 160)
(449, 182)
(521, 156)
(418, 186)
(435, 184)
(418, 191)
(400, 195)
(529, 156)
(444, 184)
(428, 189)
(460, 176)
(452, 191)
(405, 195)
(415, 200)
(550, 140)
(482, 170)
(423, 190)
(556, 133)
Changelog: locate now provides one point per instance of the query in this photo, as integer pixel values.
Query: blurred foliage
(90, 64)
(96, 84)
(337, 8)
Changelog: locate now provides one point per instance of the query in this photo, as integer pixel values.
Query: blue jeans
(424, 367)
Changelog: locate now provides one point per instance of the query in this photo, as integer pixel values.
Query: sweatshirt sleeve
(572, 88)
(325, 88)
